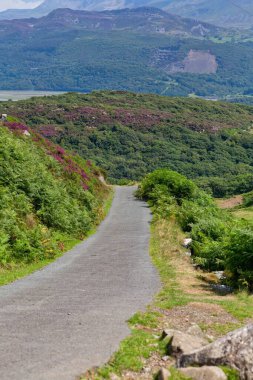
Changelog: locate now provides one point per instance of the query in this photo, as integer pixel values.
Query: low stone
(204, 373)
(189, 254)
(187, 242)
(179, 342)
(234, 350)
(26, 133)
(222, 289)
(195, 330)
(220, 275)
(114, 377)
(163, 374)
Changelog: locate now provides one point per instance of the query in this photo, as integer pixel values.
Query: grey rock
(204, 373)
(195, 330)
(187, 242)
(179, 342)
(220, 275)
(234, 350)
(163, 374)
(222, 289)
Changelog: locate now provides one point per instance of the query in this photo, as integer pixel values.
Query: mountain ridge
(218, 12)
(149, 19)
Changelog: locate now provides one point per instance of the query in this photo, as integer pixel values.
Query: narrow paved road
(72, 315)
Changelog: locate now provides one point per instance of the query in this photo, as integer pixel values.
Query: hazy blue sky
(7, 4)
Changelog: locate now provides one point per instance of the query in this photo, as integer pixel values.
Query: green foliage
(133, 350)
(39, 200)
(83, 60)
(166, 183)
(240, 254)
(226, 185)
(248, 199)
(232, 374)
(147, 319)
(219, 242)
(129, 135)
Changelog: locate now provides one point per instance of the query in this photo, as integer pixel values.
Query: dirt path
(72, 315)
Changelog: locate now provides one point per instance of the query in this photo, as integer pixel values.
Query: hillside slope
(130, 134)
(47, 197)
(220, 12)
(140, 50)
(142, 19)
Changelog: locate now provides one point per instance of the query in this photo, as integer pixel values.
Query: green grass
(244, 213)
(170, 295)
(108, 201)
(232, 374)
(138, 346)
(221, 329)
(16, 271)
(242, 306)
(148, 319)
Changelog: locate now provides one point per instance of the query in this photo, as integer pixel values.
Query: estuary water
(19, 95)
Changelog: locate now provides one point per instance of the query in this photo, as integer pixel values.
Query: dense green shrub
(218, 241)
(226, 185)
(240, 254)
(248, 199)
(41, 197)
(167, 182)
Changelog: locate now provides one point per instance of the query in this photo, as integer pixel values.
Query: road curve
(71, 315)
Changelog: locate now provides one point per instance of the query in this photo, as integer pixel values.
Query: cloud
(19, 4)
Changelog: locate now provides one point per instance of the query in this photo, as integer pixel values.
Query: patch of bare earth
(196, 62)
(206, 315)
(231, 202)
(200, 62)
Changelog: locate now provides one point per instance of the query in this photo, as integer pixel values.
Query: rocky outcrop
(181, 343)
(195, 330)
(204, 373)
(234, 350)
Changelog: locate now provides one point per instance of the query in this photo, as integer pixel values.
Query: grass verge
(17, 271)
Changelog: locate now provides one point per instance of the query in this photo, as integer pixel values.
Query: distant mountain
(229, 13)
(139, 19)
(141, 50)
(234, 13)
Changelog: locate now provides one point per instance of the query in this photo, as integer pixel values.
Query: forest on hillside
(80, 60)
(128, 135)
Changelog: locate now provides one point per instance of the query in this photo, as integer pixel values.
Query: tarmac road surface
(71, 315)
